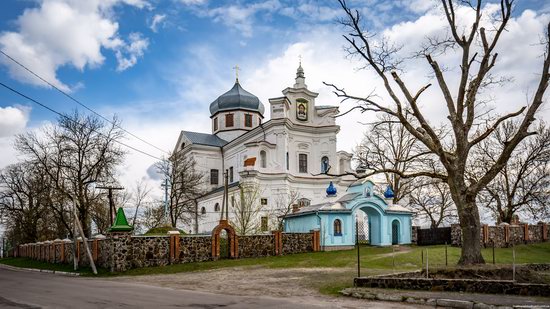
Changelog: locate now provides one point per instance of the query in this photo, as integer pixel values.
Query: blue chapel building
(381, 222)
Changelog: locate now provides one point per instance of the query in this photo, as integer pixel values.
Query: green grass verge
(29, 263)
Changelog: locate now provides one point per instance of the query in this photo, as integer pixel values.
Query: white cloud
(157, 20)
(64, 33)
(241, 17)
(128, 55)
(193, 2)
(13, 119)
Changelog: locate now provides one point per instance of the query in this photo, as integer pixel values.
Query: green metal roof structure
(121, 223)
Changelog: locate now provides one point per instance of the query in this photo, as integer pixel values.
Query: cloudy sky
(158, 64)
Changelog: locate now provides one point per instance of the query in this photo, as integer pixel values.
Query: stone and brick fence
(123, 251)
(505, 235)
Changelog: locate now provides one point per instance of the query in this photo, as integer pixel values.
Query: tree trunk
(471, 233)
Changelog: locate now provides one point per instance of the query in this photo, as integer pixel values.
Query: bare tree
(247, 209)
(431, 200)
(139, 197)
(523, 185)
(74, 154)
(465, 129)
(153, 216)
(186, 186)
(388, 145)
(283, 205)
(23, 201)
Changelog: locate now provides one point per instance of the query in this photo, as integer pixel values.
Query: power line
(78, 102)
(75, 121)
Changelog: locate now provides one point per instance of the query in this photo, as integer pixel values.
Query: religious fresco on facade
(301, 109)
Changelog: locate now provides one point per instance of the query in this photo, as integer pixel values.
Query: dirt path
(295, 283)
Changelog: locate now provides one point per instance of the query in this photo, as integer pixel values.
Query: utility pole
(112, 210)
(85, 243)
(165, 186)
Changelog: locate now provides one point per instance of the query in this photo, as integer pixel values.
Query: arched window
(337, 227)
(324, 164)
(263, 159)
(217, 207)
(203, 210)
(303, 202)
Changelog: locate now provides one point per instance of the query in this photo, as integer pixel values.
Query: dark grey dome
(237, 98)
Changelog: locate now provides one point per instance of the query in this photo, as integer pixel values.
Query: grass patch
(29, 263)
(162, 231)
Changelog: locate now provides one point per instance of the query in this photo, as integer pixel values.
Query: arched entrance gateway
(227, 245)
(380, 222)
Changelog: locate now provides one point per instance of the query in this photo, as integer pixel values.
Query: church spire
(300, 77)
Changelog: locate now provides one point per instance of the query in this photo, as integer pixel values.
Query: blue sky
(159, 64)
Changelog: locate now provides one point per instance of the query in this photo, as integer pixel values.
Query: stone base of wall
(412, 281)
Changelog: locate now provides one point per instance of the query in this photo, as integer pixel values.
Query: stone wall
(149, 251)
(505, 235)
(121, 251)
(195, 249)
(457, 285)
(297, 243)
(256, 246)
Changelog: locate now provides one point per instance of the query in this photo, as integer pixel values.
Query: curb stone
(442, 302)
(462, 304)
(57, 272)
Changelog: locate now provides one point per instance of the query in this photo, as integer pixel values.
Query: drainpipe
(321, 243)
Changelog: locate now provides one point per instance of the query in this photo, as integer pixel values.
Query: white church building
(291, 151)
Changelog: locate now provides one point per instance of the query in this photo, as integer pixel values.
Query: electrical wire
(75, 121)
(78, 102)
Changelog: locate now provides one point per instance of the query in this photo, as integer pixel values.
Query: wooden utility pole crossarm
(112, 210)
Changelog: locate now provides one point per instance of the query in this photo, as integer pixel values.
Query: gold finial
(236, 68)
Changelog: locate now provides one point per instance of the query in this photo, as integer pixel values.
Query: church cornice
(282, 122)
(299, 91)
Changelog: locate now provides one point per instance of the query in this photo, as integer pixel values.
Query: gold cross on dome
(236, 68)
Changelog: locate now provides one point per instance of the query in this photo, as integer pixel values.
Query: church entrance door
(395, 232)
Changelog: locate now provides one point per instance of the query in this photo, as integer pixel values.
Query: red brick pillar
(277, 242)
(526, 233)
(316, 240)
(174, 246)
(544, 232)
(485, 233)
(95, 249)
(506, 234)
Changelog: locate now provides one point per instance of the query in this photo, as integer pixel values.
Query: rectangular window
(264, 224)
(229, 120)
(263, 201)
(302, 163)
(216, 124)
(248, 120)
(214, 174)
(231, 174)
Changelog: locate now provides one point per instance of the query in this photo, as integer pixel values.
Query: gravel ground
(295, 283)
